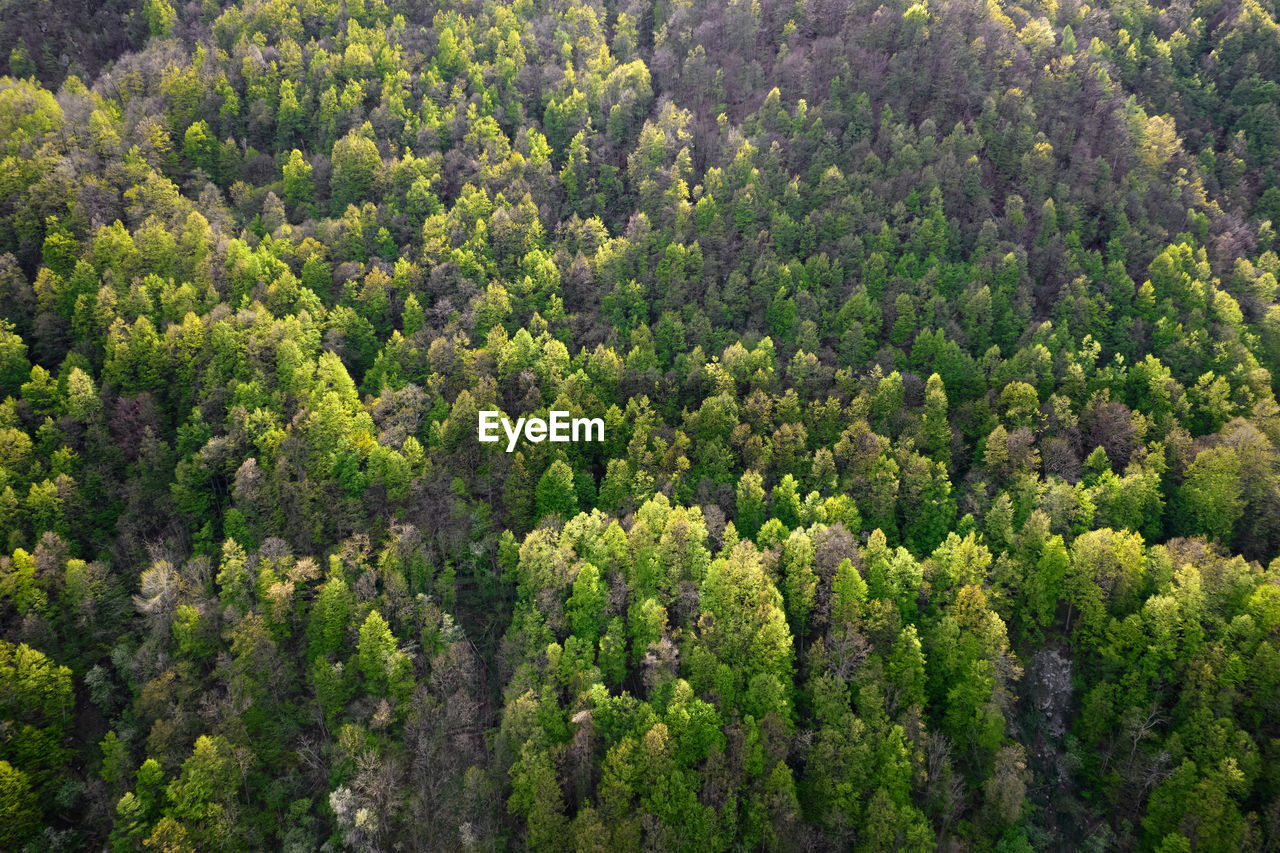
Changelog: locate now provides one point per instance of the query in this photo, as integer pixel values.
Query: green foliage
(298, 186)
(33, 688)
(744, 627)
(355, 166)
(1211, 494)
(160, 17)
(387, 670)
(14, 367)
(751, 510)
(936, 504)
(330, 618)
(586, 604)
(19, 809)
(555, 494)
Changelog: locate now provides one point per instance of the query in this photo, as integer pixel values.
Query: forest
(936, 346)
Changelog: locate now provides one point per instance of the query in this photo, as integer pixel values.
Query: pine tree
(555, 494)
(751, 511)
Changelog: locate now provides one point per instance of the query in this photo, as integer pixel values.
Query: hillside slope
(935, 344)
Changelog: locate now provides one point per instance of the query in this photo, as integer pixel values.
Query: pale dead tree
(304, 571)
(431, 769)
(158, 595)
(801, 743)
(1142, 771)
(1157, 769)
(248, 483)
(359, 827)
(938, 756)
(661, 663)
(276, 551)
(1141, 724)
(382, 716)
(686, 604)
(618, 593)
(579, 761)
(377, 785)
(210, 706)
(443, 736)
(196, 575)
(1008, 672)
(945, 788)
(1007, 787)
(847, 649)
(311, 754)
(244, 760)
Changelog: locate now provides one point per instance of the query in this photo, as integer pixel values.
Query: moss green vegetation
(935, 346)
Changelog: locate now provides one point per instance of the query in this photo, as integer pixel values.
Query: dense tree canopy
(938, 504)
